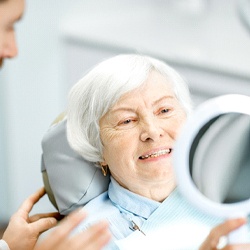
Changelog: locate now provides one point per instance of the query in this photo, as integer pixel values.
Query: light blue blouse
(125, 210)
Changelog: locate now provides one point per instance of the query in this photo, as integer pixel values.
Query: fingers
(221, 230)
(37, 217)
(231, 225)
(43, 225)
(225, 228)
(68, 224)
(61, 232)
(94, 238)
(28, 204)
(42, 222)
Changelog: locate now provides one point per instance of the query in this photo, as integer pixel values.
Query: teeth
(156, 154)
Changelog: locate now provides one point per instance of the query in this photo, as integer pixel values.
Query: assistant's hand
(224, 229)
(23, 230)
(94, 238)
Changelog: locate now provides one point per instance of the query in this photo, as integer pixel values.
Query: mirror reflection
(220, 158)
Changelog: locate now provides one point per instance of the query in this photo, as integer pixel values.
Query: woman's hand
(94, 238)
(212, 240)
(23, 230)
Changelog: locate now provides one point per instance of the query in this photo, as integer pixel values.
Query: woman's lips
(156, 154)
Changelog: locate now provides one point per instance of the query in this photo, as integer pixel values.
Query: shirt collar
(130, 202)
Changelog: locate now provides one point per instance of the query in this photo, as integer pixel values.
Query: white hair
(101, 88)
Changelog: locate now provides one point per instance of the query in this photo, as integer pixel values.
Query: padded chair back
(70, 181)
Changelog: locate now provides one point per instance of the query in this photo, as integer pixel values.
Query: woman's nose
(151, 130)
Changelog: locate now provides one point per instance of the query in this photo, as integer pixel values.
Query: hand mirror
(212, 159)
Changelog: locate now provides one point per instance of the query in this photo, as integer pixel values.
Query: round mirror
(212, 158)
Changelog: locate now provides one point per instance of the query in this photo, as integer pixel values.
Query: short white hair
(101, 88)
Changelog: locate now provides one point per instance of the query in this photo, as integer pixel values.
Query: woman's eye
(126, 121)
(165, 110)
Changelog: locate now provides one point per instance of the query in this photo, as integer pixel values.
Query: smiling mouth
(156, 154)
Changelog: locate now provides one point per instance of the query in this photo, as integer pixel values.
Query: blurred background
(207, 41)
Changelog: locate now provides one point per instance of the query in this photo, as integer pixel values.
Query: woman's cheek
(108, 134)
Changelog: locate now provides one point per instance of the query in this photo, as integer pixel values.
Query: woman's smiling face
(138, 134)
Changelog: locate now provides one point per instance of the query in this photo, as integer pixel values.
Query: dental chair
(70, 181)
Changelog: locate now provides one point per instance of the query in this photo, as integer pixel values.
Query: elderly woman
(125, 115)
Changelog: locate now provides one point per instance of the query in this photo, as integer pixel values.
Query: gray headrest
(70, 181)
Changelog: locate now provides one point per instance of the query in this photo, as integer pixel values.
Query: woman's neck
(156, 191)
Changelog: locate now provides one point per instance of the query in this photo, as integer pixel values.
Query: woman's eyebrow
(162, 99)
(118, 109)
(128, 109)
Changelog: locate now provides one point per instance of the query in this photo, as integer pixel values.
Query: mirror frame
(204, 113)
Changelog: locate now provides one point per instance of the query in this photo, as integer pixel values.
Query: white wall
(33, 89)
(34, 86)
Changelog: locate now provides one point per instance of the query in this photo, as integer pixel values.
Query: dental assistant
(24, 229)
